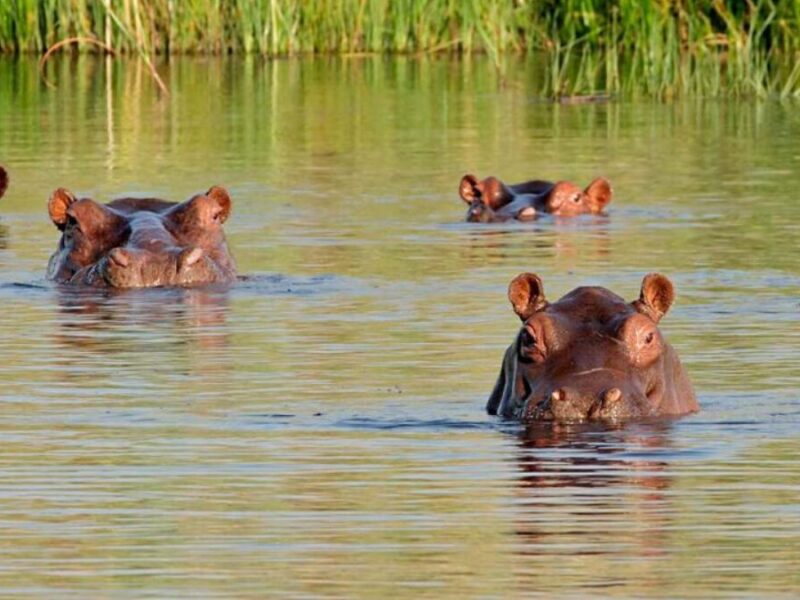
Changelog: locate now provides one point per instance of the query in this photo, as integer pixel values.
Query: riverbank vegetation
(661, 48)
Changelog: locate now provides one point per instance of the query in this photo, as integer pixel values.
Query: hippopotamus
(3, 181)
(590, 356)
(141, 242)
(492, 201)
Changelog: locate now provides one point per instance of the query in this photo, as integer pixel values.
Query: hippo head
(141, 242)
(566, 199)
(484, 198)
(591, 356)
(490, 200)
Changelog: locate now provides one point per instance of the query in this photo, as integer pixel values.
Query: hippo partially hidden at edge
(3, 181)
(591, 356)
(141, 242)
(491, 201)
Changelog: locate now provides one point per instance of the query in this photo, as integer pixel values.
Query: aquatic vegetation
(657, 48)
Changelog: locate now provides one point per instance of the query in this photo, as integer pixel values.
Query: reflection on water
(98, 327)
(612, 490)
(318, 428)
(550, 238)
(624, 512)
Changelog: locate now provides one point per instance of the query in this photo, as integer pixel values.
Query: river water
(319, 430)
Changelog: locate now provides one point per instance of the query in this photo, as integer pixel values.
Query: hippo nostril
(612, 396)
(119, 257)
(189, 257)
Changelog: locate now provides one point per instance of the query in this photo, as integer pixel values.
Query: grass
(657, 48)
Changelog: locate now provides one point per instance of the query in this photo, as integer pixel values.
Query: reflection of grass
(660, 48)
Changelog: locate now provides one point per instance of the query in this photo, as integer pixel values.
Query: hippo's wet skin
(491, 201)
(591, 356)
(141, 242)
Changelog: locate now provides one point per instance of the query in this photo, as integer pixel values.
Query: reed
(660, 48)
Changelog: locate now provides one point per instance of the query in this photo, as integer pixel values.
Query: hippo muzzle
(569, 404)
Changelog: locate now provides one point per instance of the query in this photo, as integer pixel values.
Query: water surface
(319, 430)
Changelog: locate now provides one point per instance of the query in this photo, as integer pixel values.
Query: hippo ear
(220, 195)
(468, 188)
(526, 294)
(656, 297)
(3, 181)
(57, 206)
(599, 194)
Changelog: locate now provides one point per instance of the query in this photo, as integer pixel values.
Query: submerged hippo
(3, 181)
(141, 242)
(590, 356)
(491, 201)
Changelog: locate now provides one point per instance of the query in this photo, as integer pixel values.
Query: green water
(319, 430)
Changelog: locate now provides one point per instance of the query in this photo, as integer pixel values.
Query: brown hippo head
(591, 356)
(141, 242)
(565, 199)
(3, 181)
(490, 200)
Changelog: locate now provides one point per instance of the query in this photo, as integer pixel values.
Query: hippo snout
(126, 268)
(119, 258)
(478, 213)
(554, 203)
(188, 258)
(613, 405)
(120, 268)
(566, 404)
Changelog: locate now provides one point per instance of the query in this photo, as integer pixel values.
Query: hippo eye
(527, 338)
(649, 338)
(531, 346)
(72, 225)
(576, 198)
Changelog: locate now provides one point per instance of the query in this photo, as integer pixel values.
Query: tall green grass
(657, 48)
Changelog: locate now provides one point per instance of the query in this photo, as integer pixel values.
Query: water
(319, 429)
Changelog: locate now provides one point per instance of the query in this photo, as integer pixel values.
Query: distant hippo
(591, 356)
(492, 201)
(3, 181)
(141, 242)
